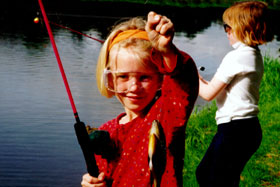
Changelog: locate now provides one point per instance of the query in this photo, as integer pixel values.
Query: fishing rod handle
(84, 141)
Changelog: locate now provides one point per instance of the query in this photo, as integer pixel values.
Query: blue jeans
(231, 148)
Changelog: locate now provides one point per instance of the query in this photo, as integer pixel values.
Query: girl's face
(135, 85)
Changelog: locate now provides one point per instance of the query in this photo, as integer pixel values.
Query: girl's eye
(122, 76)
(145, 78)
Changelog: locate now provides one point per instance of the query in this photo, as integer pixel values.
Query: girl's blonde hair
(141, 49)
(249, 22)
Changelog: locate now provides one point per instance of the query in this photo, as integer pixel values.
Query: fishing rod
(80, 128)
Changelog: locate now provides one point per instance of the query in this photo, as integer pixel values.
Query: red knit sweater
(172, 109)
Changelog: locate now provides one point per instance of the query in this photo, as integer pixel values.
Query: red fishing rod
(80, 128)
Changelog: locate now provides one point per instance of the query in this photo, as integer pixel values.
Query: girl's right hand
(89, 181)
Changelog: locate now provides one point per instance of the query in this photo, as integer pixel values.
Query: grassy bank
(264, 167)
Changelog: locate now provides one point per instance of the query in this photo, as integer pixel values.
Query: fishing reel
(102, 144)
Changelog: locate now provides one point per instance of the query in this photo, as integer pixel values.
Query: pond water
(38, 146)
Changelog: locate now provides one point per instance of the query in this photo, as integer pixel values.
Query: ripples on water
(38, 146)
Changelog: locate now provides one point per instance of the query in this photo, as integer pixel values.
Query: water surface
(38, 146)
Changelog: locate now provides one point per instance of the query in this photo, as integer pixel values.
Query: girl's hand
(89, 181)
(160, 30)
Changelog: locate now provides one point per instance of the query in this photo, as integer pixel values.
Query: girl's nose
(134, 86)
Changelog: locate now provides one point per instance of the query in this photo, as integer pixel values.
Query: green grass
(263, 169)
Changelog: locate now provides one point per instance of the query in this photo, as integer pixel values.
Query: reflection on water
(38, 146)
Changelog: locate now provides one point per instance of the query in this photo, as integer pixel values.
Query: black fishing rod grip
(84, 141)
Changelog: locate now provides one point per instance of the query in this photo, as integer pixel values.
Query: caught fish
(156, 153)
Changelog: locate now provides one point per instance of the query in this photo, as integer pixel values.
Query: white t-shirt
(242, 70)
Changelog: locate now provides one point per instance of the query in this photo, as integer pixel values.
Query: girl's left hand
(160, 30)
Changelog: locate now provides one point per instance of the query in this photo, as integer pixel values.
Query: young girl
(236, 89)
(139, 64)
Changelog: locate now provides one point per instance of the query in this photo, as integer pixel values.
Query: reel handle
(84, 141)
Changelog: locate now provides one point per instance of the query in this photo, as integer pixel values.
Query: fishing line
(36, 20)
(80, 129)
(72, 30)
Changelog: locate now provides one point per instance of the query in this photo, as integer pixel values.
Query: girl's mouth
(134, 98)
